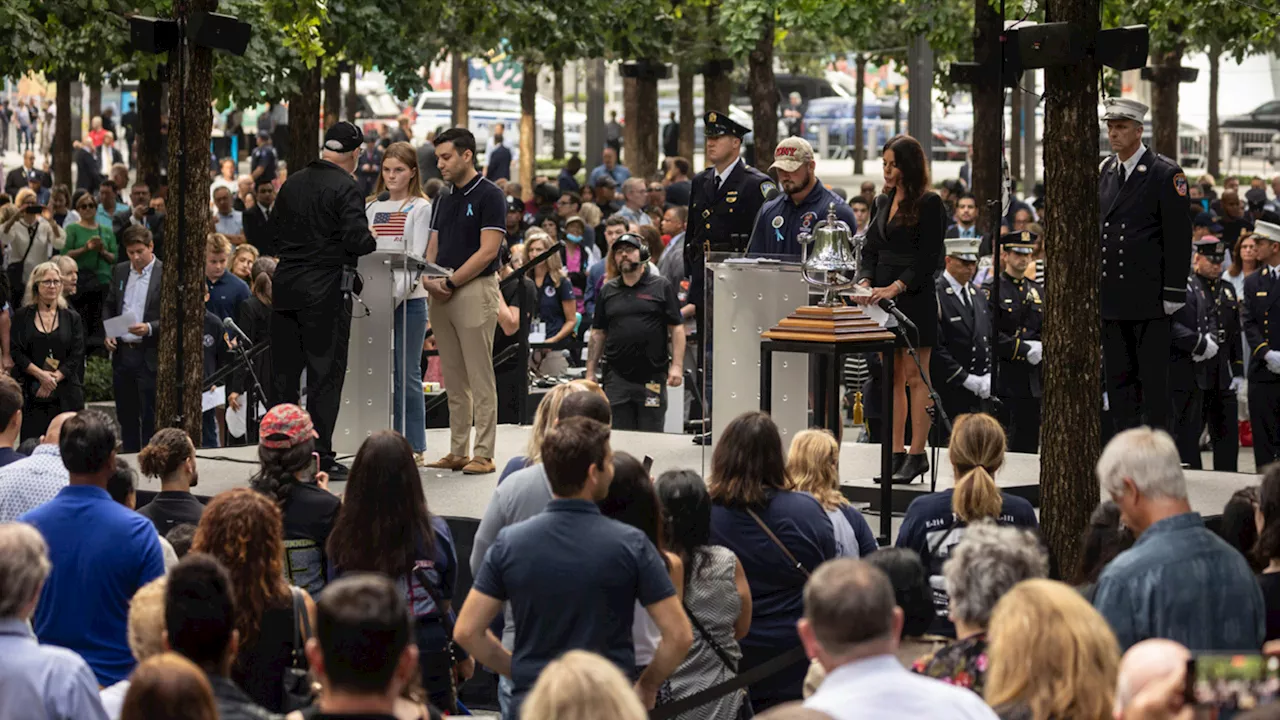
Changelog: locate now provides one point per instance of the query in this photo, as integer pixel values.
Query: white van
(489, 108)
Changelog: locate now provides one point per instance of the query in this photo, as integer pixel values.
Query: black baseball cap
(343, 137)
(514, 204)
(628, 239)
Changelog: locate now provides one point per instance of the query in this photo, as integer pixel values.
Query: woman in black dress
(47, 345)
(901, 254)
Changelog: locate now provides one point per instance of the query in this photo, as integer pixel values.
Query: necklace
(51, 325)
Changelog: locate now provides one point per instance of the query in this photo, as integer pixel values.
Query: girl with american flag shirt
(404, 220)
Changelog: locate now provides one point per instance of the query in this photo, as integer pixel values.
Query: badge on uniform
(950, 291)
(806, 220)
(731, 196)
(706, 213)
(777, 222)
(1180, 184)
(1142, 168)
(766, 188)
(1035, 296)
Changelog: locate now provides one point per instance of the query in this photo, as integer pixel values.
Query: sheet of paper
(212, 399)
(882, 318)
(119, 325)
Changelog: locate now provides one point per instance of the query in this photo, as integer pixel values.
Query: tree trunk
(1215, 127)
(62, 132)
(859, 131)
(1072, 373)
(150, 142)
(645, 156)
(1164, 103)
(95, 99)
(528, 125)
(304, 120)
(332, 98)
(182, 283)
(686, 143)
(630, 109)
(716, 91)
(985, 151)
(461, 99)
(764, 95)
(1015, 138)
(557, 130)
(353, 97)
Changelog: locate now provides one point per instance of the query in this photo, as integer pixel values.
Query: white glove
(985, 391)
(1272, 359)
(1210, 350)
(1106, 405)
(1236, 384)
(1172, 307)
(973, 383)
(1035, 352)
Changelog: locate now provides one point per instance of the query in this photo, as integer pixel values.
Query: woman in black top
(46, 342)
(901, 254)
(1267, 550)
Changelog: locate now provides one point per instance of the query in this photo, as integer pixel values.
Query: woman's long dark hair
(747, 461)
(632, 500)
(277, 468)
(1103, 540)
(1268, 546)
(384, 514)
(910, 583)
(1239, 525)
(908, 155)
(686, 507)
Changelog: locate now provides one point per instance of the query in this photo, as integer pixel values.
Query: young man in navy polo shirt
(467, 228)
(568, 594)
(802, 204)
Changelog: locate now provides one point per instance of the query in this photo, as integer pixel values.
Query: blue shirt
(1182, 582)
(9, 455)
(102, 552)
(43, 681)
(567, 182)
(782, 220)
(225, 295)
(569, 594)
(619, 173)
(551, 299)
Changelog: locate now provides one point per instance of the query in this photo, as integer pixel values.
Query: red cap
(285, 426)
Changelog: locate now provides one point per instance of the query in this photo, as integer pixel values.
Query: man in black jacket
(135, 290)
(321, 232)
(87, 175)
(961, 362)
(1018, 347)
(141, 214)
(258, 229)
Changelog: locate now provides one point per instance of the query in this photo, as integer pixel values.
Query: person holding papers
(131, 319)
(47, 344)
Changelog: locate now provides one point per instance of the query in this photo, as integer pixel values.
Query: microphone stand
(259, 395)
(937, 411)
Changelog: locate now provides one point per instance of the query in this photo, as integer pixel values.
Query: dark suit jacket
(114, 307)
(155, 223)
(87, 176)
(259, 231)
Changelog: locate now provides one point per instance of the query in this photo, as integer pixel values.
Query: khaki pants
(463, 328)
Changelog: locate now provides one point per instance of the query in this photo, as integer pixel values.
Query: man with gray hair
(42, 681)
(851, 626)
(633, 199)
(1143, 663)
(1179, 581)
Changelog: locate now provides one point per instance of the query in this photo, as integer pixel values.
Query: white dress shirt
(1132, 163)
(961, 291)
(135, 297)
(722, 176)
(879, 687)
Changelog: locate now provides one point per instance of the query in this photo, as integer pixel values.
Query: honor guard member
(1261, 290)
(1146, 253)
(800, 206)
(1018, 316)
(1206, 362)
(961, 362)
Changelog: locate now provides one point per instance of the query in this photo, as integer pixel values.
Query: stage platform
(455, 494)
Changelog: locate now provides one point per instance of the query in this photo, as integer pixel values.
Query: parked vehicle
(433, 110)
(1264, 117)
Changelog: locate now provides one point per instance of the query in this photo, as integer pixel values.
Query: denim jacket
(1182, 582)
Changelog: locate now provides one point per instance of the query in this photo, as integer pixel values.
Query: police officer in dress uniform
(1261, 290)
(1206, 362)
(723, 202)
(961, 361)
(1019, 315)
(1146, 251)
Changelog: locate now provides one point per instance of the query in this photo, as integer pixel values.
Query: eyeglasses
(50, 283)
(656, 188)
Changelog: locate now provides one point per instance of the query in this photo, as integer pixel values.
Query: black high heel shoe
(898, 459)
(914, 467)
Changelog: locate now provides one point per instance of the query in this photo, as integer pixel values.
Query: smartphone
(315, 456)
(648, 465)
(1232, 681)
(34, 209)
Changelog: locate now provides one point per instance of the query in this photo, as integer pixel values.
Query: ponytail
(976, 496)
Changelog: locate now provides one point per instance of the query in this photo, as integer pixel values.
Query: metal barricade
(1249, 150)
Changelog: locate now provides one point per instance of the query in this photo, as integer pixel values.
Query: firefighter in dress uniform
(723, 202)
(1206, 365)
(1019, 315)
(1261, 290)
(961, 361)
(1146, 253)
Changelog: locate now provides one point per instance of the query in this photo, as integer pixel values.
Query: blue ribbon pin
(469, 212)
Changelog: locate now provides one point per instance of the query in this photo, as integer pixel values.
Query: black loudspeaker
(1123, 48)
(646, 70)
(219, 32)
(719, 66)
(1185, 74)
(151, 35)
(1045, 45)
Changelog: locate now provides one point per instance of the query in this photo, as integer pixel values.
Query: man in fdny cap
(803, 203)
(322, 231)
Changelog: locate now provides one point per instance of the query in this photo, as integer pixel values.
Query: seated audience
(990, 560)
(851, 626)
(936, 523)
(53, 679)
(1239, 525)
(181, 537)
(10, 419)
(1267, 549)
(1179, 581)
(146, 638)
(101, 551)
(814, 466)
(557, 306)
(581, 685)
(1145, 664)
(241, 530)
(199, 617)
(171, 456)
(753, 505)
(289, 474)
(169, 687)
(1103, 540)
(384, 526)
(35, 480)
(912, 594)
(1052, 655)
(716, 596)
(566, 594)
(122, 486)
(544, 418)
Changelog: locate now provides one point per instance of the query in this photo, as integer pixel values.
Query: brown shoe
(450, 462)
(479, 466)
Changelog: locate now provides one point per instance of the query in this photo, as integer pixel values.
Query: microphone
(886, 305)
(230, 324)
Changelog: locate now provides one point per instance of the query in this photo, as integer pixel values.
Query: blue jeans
(209, 429)
(410, 331)
(505, 687)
